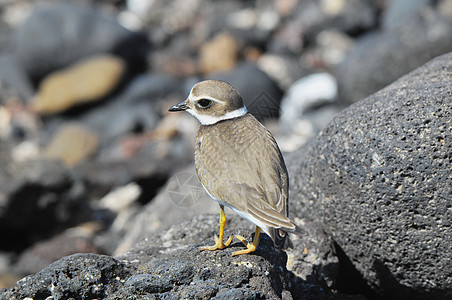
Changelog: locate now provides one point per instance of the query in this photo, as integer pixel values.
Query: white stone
(309, 91)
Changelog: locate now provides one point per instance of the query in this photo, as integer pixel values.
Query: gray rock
(79, 276)
(37, 198)
(398, 10)
(154, 163)
(183, 197)
(56, 36)
(378, 177)
(381, 57)
(260, 93)
(284, 69)
(13, 80)
(43, 253)
(5, 36)
(140, 100)
(169, 265)
(155, 160)
(350, 16)
(311, 17)
(313, 260)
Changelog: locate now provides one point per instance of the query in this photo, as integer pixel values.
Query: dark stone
(181, 198)
(398, 10)
(13, 80)
(140, 99)
(260, 93)
(381, 57)
(168, 264)
(79, 276)
(378, 178)
(350, 16)
(183, 270)
(155, 160)
(147, 283)
(315, 268)
(43, 253)
(311, 17)
(173, 273)
(54, 37)
(5, 37)
(37, 199)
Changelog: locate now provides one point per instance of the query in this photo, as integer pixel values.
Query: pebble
(72, 144)
(86, 81)
(305, 93)
(120, 198)
(219, 54)
(26, 150)
(284, 69)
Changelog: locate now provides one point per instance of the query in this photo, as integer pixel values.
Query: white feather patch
(210, 120)
(244, 215)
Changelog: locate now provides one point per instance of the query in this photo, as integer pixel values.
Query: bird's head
(211, 101)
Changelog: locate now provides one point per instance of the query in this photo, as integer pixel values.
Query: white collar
(210, 120)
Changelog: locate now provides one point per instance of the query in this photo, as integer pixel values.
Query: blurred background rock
(86, 144)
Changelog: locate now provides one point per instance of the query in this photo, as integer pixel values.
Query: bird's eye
(205, 103)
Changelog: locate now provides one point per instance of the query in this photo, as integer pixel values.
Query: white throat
(210, 120)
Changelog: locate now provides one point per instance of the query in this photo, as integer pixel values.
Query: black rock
(168, 264)
(56, 36)
(155, 271)
(38, 198)
(381, 57)
(379, 179)
(312, 262)
(260, 93)
(79, 276)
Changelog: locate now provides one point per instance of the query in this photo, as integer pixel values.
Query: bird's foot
(249, 246)
(218, 244)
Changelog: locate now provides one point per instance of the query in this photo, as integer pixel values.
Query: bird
(239, 164)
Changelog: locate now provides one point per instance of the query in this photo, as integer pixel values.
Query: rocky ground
(98, 196)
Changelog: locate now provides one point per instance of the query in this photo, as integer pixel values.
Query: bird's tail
(281, 240)
(281, 237)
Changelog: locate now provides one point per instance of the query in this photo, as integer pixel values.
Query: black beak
(179, 106)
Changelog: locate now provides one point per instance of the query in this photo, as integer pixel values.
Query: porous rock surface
(379, 178)
(169, 265)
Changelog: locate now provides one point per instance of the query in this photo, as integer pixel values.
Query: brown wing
(239, 163)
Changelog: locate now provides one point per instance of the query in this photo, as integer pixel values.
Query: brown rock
(7, 280)
(72, 144)
(85, 81)
(219, 54)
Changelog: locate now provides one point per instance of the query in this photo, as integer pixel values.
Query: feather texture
(240, 165)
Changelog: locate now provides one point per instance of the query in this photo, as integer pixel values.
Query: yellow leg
(249, 247)
(219, 240)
